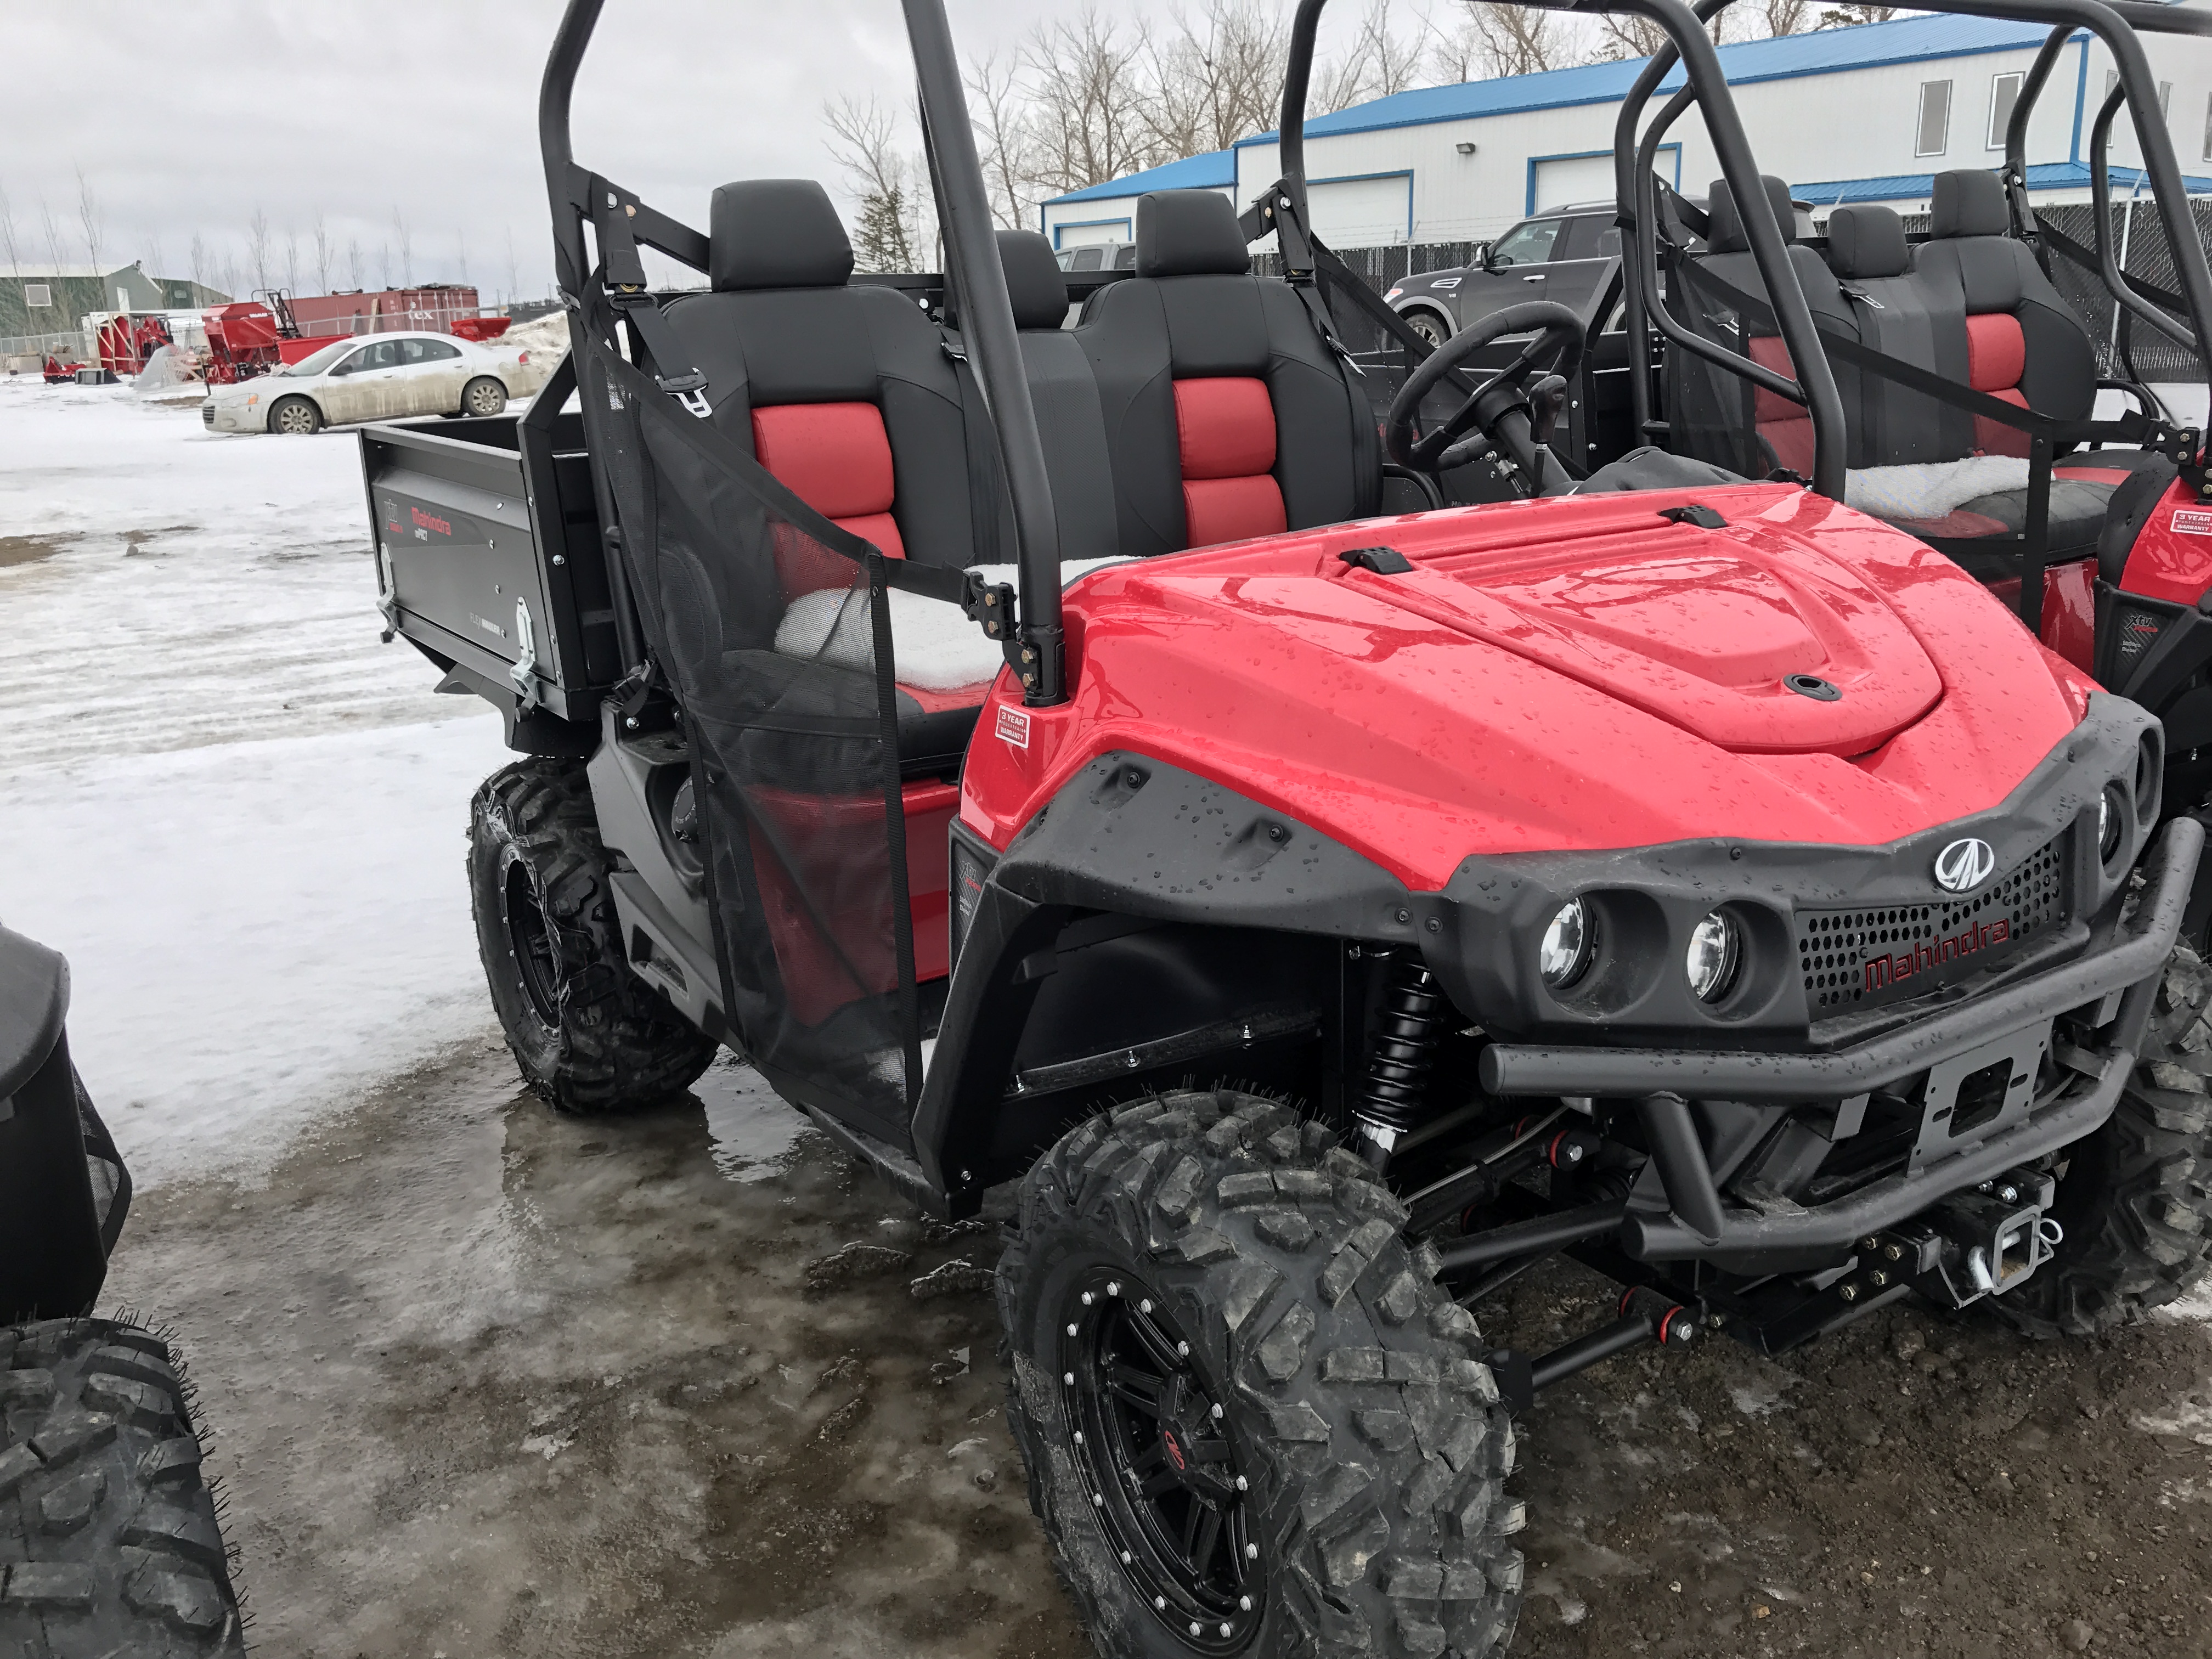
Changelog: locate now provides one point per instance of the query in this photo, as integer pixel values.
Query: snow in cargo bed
(240, 816)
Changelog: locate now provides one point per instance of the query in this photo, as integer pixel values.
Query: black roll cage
(621, 223)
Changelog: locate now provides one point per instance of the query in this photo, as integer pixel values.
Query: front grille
(207, 414)
(1864, 958)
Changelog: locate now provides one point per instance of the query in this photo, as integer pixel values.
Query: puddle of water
(752, 1127)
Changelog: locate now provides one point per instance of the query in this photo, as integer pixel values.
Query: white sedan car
(378, 377)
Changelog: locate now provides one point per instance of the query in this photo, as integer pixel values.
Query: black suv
(1560, 255)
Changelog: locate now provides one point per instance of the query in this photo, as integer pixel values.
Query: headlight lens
(2108, 827)
(1716, 951)
(1565, 951)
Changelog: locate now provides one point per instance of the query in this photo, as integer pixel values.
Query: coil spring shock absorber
(1401, 1049)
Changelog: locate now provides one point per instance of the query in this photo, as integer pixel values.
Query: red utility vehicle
(1039, 753)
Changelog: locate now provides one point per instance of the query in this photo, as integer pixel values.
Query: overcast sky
(187, 119)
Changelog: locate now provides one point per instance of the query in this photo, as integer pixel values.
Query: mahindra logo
(430, 521)
(1883, 972)
(1175, 1452)
(1964, 865)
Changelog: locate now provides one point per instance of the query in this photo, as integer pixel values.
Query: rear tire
(1324, 1368)
(587, 1033)
(109, 1539)
(2135, 1197)
(296, 417)
(482, 395)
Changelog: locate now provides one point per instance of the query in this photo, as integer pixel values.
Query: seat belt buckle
(690, 391)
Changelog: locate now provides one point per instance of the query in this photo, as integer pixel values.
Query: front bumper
(230, 418)
(2109, 991)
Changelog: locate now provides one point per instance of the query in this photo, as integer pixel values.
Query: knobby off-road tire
(2136, 1198)
(110, 1547)
(587, 1033)
(1351, 1395)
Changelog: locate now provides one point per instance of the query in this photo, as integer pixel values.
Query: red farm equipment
(124, 342)
(248, 337)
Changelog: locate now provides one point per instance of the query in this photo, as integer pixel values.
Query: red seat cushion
(1225, 439)
(837, 460)
(1787, 426)
(1997, 354)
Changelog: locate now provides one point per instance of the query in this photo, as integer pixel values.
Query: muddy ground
(486, 1381)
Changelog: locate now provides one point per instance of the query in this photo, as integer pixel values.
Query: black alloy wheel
(536, 959)
(1159, 1463)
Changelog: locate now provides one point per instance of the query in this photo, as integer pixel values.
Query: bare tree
(1851, 16)
(322, 256)
(461, 256)
(405, 239)
(291, 261)
(7, 240)
(1089, 97)
(256, 247)
(1216, 77)
(354, 263)
(199, 266)
(53, 230)
(1376, 64)
(864, 137)
(997, 110)
(513, 280)
(1498, 41)
(384, 264)
(1787, 16)
(92, 217)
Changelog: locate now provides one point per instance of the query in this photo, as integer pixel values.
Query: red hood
(1578, 673)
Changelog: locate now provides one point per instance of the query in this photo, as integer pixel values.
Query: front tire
(296, 417)
(482, 395)
(2135, 1198)
(1252, 1424)
(588, 1035)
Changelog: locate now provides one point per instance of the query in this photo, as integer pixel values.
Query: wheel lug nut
(1217, 1410)
(1098, 1500)
(1125, 1558)
(1086, 1298)
(1146, 1306)
(1068, 1378)
(1114, 1287)
(1225, 1630)
(1243, 1604)
(1194, 1628)
(1160, 1604)
(1243, 1484)
(1251, 1552)
(1183, 1349)
(1071, 1330)
(1078, 1437)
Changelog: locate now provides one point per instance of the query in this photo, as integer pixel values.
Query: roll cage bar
(621, 223)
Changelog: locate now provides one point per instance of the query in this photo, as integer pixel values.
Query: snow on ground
(239, 816)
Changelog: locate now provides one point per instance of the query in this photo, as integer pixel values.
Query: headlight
(2108, 827)
(1565, 951)
(1716, 949)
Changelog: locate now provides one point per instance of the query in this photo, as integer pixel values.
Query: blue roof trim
(1216, 170)
(1870, 46)
(1904, 187)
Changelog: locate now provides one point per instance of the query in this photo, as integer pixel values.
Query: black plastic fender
(1129, 837)
(53, 1249)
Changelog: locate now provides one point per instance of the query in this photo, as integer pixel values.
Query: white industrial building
(1865, 114)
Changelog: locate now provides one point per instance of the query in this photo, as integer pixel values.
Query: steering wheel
(1512, 413)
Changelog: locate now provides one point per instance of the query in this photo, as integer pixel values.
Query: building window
(37, 294)
(1934, 118)
(2165, 108)
(2004, 93)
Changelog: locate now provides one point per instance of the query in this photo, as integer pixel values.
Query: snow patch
(1931, 489)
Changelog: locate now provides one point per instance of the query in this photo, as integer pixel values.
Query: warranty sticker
(2192, 522)
(1014, 723)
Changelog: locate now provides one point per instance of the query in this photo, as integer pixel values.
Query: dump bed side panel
(488, 557)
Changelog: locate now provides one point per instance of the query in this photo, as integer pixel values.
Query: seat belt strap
(980, 437)
(623, 274)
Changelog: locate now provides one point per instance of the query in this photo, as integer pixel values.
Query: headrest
(1189, 232)
(1726, 235)
(1868, 239)
(775, 233)
(1033, 280)
(1969, 204)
